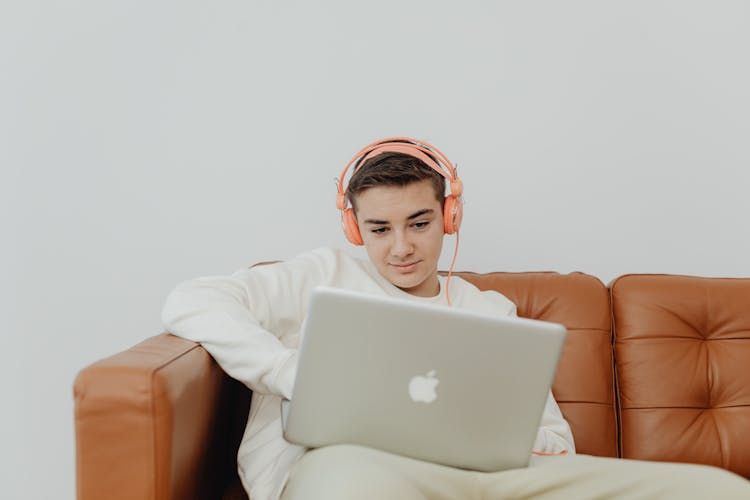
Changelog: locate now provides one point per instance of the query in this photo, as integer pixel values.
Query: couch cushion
(584, 384)
(682, 346)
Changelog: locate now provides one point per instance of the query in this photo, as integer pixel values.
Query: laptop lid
(421, 380)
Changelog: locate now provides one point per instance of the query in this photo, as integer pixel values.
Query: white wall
(143, 143)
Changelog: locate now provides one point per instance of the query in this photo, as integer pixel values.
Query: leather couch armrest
(157, 421)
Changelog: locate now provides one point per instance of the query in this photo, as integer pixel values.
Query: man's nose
(402, 245)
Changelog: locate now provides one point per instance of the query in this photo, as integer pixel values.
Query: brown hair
(393, 169)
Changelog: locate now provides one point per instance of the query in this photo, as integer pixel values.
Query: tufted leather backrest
(682, 346)
(584, 384)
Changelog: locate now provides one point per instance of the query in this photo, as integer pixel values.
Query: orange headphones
(453, 206)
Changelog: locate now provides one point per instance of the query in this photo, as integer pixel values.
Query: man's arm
(554, 435)
(239, 319)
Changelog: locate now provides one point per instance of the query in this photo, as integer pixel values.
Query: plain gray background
(144, 143)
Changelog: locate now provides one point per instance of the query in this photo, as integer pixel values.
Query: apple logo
(422, 388)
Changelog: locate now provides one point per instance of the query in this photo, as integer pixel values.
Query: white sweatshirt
(250, 323)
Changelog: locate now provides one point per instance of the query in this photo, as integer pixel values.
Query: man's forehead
(382, 195)
(392, 203)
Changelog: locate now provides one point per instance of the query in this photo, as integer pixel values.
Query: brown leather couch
(655, 367)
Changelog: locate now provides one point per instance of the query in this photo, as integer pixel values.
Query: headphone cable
(450, 272)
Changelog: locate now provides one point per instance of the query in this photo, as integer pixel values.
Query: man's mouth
(406, 267)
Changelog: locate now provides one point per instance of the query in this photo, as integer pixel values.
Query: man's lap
(348, 471)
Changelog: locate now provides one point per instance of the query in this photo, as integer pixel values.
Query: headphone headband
(428, 153)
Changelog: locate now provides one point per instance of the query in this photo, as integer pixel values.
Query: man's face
(402, 229)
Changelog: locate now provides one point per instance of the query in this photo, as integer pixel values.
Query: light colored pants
(355, 472)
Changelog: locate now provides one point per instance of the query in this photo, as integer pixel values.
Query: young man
(250, 322)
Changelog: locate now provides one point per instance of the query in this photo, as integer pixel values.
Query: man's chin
(406, 283)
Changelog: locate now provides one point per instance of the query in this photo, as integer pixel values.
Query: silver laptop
(421, 380)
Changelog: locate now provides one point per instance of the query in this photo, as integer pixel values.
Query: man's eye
(421, 225)
(380, 230)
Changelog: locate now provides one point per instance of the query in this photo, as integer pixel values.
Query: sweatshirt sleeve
(238, 318)
(554, 435)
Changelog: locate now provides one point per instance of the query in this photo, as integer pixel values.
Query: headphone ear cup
(452, 214)
(351, 228)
